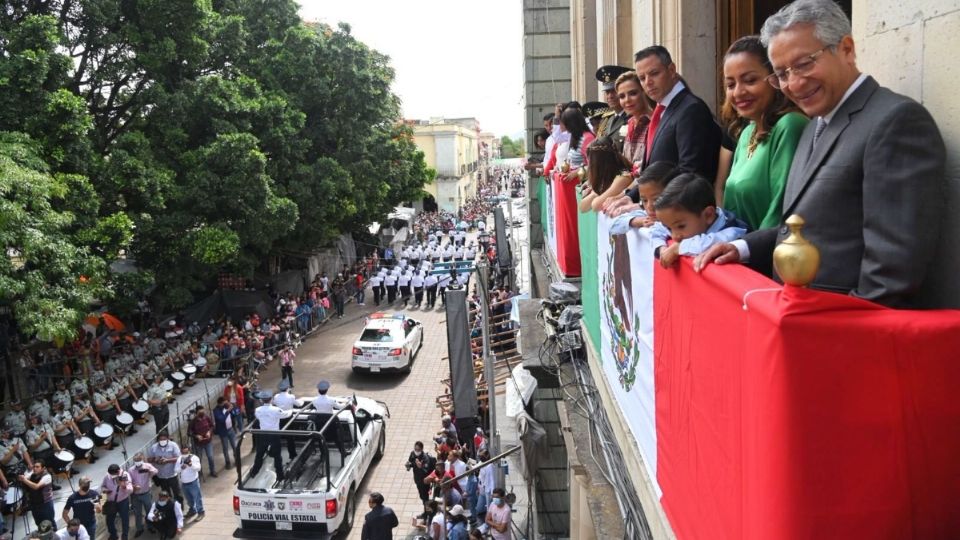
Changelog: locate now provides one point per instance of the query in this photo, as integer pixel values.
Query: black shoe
(190, 514)
(74, 471)
(228, 466)
(138, 534)
(57, 488)
(213, 475)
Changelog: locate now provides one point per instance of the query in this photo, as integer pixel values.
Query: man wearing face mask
(164, 455)
(117, 488)
(499, 516)
(73, 531)
(141, 473)
(422, 464)
(166, 516)
(189, 467)
(85, 503)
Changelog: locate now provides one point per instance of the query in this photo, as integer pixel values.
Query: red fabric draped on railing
(567, 232)
(802, 414)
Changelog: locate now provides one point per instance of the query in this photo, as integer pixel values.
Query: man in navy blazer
(868, 174)
(682, 129)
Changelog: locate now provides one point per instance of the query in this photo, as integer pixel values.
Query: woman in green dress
(767, 127)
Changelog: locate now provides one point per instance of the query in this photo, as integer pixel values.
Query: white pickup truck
(316, 497)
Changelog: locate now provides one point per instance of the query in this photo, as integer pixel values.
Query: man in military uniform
(156, 397)
(62, 395)
(41, 407)
(13, 453)
(268, 415)
(78, 385)
(614, 123)
(16, 419)
(105, 403)
(84, 415)
(63, 424)
(594, 112)
(41, 440)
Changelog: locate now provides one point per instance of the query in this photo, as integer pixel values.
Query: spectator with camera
(116, 487)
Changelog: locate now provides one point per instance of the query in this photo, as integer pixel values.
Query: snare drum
(83, 446)
(103, 434)
(62, 460)
(189, 370)
(177, 378)
(123, 421)
(139, 409)
(200, 363)
(11, 500)
(65, 441)
(167, 386)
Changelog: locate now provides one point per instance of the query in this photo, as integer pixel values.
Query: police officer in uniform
(268, 415)
(78, 386)
(156, 397)
(42, 441)
(417, 283)
(285, 399)
(323, 403)
(391, 282)
(614, 123)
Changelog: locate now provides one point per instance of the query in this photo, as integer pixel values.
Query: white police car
(389, 342)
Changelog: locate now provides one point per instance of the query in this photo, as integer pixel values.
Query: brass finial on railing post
(796, 259)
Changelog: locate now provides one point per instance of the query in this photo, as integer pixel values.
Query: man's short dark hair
(548, 117)
(499, 491)
(418, 444)
(377, 498)
(73, 523)
(688, 191)
(659, 173)
(659, 51)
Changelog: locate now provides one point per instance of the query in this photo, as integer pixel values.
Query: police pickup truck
(331, 454)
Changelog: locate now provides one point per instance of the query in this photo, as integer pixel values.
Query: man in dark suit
(682, 129)
(868, 174)
(380, 521)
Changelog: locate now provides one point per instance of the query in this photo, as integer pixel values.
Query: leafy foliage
(511, 148)
(195, 136)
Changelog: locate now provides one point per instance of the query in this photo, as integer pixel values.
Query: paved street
(326, 355)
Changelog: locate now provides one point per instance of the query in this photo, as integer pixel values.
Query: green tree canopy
(196, 136)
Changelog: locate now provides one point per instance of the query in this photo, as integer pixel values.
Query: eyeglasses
(778, 79)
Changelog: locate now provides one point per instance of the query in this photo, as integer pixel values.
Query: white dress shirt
(269, 416)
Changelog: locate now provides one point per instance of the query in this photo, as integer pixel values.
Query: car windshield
(377, 335)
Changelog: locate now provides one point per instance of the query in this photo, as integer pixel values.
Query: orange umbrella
(112, 322)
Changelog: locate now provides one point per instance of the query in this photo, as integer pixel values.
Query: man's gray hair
(830, 23)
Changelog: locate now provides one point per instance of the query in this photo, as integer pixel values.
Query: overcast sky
(453, 58)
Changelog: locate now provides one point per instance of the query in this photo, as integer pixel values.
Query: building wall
(546, 60)
(583, 45)
(451, 147)
(909, 47)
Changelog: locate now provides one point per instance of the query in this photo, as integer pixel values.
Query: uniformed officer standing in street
(156, 397)
(268, 415)
(375, 281)
(417, 283)
(285, 399)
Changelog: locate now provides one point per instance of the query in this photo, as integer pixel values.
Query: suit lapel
(802, 170)
(668, 114)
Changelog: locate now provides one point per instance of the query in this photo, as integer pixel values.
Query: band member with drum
(42, 441)
(14, 457)
(164, 455)
(78, 386)
(39, 489)
(84, 503)
(105, 404)
(64, 428)
(141, 473)
(62, 395)
(16, 419)
(156, 397)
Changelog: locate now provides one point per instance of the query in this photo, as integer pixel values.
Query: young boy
(650, 184)
(687, 212)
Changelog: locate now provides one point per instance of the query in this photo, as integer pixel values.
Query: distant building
(451, 146)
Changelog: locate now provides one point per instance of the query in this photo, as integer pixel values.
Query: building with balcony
(451, 146)
(667, 427)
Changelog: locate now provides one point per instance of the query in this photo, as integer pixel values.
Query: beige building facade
(452, 148)
(906, 46)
